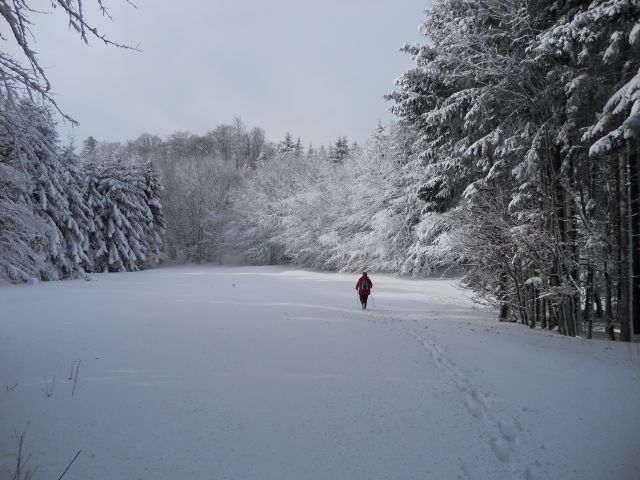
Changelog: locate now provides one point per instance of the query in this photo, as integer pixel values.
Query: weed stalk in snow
(75, 379)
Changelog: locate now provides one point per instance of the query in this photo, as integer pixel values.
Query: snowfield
(275, 373)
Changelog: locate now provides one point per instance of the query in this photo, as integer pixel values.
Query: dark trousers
(363, 298)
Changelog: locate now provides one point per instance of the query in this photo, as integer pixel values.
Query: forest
(513, 161)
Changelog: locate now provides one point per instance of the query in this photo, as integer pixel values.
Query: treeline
(60, 217)
(527, 114)
(208, 180)
(198, 174)
(125, 206)
(344, 208)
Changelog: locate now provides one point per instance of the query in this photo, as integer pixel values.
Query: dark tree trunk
(634, 250)
(623, 251)
(533, 305)
(609, 261)
(504, 309)
(571, 255)
(608, 302)
(588, 302)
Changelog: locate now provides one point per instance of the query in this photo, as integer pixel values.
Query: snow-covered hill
(274, 373)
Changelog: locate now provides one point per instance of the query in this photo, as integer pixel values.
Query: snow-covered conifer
(340, 150)
(126, 216)
(21, 230)
(286, 146)
(155, 224)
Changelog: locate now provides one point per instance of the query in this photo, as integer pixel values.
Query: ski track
(504, 434)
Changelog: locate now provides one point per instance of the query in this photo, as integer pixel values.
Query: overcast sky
(316, 68)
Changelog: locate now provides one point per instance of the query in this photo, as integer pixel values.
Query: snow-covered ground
(273, 373)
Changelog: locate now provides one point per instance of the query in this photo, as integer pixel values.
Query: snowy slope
(273, 373)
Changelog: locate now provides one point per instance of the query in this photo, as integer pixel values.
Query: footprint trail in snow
(504, 434)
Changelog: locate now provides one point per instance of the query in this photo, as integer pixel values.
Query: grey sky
(316, 68)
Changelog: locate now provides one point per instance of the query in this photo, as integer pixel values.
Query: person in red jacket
(364, 286)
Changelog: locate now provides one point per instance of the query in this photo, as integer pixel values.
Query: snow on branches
(509, 100)
(58, 216)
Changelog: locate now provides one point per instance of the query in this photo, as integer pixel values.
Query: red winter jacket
(364, 285)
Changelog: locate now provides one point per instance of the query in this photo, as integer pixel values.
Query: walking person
(364, 286)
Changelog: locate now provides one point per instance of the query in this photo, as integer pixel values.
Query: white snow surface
(276, 373)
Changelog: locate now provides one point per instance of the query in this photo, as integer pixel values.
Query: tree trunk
(608, 304)
(634, 249)
(623, 251)
(588, 302)
(535, 305)
(563, 249)
(504, 308)
(609, 261)
(572, 254)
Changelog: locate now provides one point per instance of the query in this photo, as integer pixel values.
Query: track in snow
(503, 433)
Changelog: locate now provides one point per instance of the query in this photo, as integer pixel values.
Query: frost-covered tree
(44, 183)
(297, 149)
(89, 149)
(340, 150)
(155, 227)
(78, 222)
(21, 229)
(339, 216)
(95, 201)
(506, 98)
(130, 215)
(286, 146)
(55, 193)
(597, 58)
(258, 206)
(377, 229)
(311, 152)
(257, 145)
(60, 249)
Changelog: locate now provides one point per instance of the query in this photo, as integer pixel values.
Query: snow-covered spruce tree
(55, 191)
(129, 231)
(94, 200)
(79, 223)
(23, 76)
(286, 146)
(21, 230)
(155, 226)
(340, 150)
